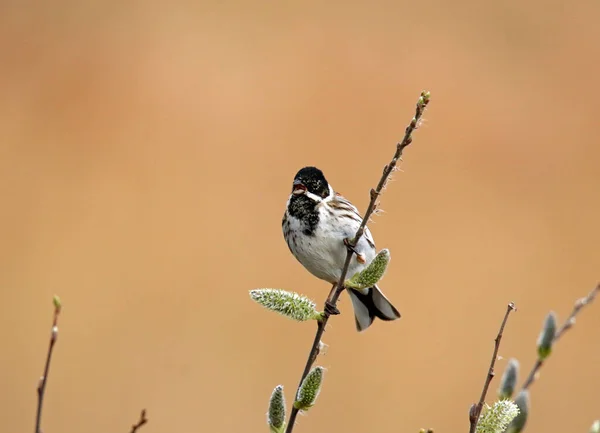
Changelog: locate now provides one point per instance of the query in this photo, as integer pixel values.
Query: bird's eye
(298, 189)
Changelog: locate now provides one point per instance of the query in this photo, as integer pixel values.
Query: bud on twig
(426, 96)
(310, 388)
(40, 384)
(495, 418)
(369, 276)
(276, 414)
(57, 303)
(289, 304)
(546, 337)
(508, 383)
(518, 424)
(473, 412)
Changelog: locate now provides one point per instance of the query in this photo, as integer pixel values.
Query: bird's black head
(310, 179)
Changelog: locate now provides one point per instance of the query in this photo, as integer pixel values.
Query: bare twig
(41, 389)
(579, 304)
(338, 288)
(143, 420)
(475, 411)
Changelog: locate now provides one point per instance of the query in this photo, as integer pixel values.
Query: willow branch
(475, 411)
(41, 389)
(579, 304)
(338, 288)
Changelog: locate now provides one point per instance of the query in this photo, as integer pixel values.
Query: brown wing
(341, 204)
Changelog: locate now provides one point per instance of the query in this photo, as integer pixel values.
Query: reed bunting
(316, 224)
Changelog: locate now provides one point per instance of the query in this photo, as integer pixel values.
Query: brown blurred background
(147, 150)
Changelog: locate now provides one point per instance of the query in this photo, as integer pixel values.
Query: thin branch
(143, 420)
(579, 304)
(338, 288)
(532, 374)
(475, 411)
(41, 389)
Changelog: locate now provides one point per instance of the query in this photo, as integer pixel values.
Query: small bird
(317, 224)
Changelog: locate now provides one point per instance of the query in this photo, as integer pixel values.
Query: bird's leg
(329, 307)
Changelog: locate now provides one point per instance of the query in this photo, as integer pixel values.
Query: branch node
(143, 420)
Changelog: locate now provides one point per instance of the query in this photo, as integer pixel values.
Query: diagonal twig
(475, 410)
(41, 389)
(579, 304)
(338, 288)
(143, 420)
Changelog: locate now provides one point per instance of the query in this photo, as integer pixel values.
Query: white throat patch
(318, 198)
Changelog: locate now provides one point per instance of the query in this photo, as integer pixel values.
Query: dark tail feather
(369, 305)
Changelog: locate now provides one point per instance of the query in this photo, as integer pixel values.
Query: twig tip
(143, 420)
(57, 304)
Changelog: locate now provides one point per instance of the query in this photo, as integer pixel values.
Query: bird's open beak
(298, 188)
